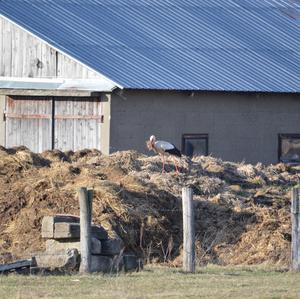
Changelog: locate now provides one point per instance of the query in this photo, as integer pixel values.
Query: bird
(164, 148)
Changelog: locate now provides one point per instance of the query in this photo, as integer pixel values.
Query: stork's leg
(176, 166)
(163, 163)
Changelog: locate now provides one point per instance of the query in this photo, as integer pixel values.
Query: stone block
(66, 230)
(132, 263)
(101, 263)
(53, 227)
(67, 260)
(48, 223)
(112, 246)
(99, 232)
(62, 245)
(106, 264)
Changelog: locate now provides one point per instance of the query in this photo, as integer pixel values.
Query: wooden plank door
(77, 123)
(29, 123)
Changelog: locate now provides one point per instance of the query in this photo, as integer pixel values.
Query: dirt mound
(242, 210)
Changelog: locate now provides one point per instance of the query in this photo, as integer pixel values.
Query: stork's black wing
(174, 151)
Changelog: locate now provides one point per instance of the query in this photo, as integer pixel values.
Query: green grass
(159, 282)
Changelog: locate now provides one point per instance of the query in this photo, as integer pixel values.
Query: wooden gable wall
(24, 55)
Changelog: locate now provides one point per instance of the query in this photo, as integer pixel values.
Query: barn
(214, 77)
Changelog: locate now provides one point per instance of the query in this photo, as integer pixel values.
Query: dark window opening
(289, 148)
(195, 144)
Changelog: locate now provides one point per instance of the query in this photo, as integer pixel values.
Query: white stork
(164, 148)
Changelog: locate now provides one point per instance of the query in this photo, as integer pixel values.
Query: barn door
(77, 123)
(29, 123)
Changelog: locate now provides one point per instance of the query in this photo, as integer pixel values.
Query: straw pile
(242, 210)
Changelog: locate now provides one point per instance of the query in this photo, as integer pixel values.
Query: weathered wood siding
(2, 121)
(77, 123)
(53, 123)
(29, 123)
(24, 55)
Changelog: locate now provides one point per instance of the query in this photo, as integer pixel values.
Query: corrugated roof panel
(234, 45)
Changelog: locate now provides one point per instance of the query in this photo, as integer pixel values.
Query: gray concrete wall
(241, 126)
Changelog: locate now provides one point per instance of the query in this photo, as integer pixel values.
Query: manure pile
(242, 210)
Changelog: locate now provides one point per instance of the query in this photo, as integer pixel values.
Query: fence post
(188, 230)
(85, 202)
(295, 229)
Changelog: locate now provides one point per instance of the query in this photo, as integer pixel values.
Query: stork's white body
(164, 148)
(161, 147)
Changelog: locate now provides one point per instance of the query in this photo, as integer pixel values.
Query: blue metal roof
(233, 45)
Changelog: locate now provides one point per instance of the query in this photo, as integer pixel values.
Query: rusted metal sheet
(27, 116)
(99, 118)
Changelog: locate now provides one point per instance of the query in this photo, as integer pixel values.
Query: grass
(159, 282)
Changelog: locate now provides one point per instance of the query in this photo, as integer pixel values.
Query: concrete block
(112, 246)
(106, 264)
(67, 260)
(54, 227)
(101, 263)
(99, 232)
(62, 245)
(96, 246)
(48, 223)
(132, 263)
(66, 230)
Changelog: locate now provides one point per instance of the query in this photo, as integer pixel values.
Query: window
(289, 148)
(195, 144)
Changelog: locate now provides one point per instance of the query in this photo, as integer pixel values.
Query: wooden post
(295, 229)
(188, 230)
(85, 202)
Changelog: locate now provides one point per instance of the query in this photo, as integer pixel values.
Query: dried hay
(242, 211)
